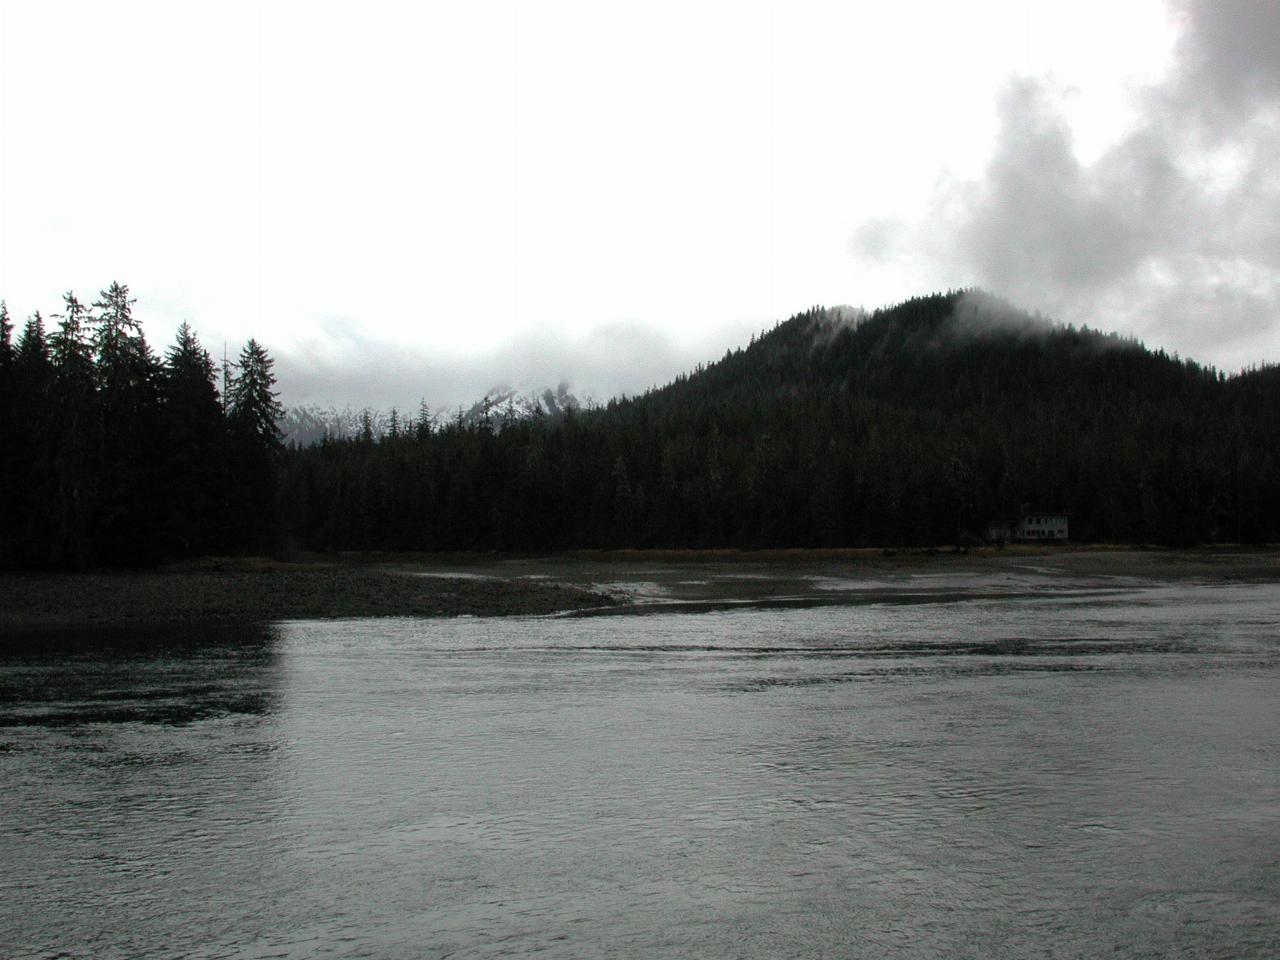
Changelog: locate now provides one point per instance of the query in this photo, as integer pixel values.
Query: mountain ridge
(913, 424)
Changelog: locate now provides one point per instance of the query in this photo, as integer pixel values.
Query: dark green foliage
(195, 463)
(31, 357)
(129, 525)
(10, 452)
(254, 409)
(110, 456)
(77, 437)
(6, 339)
(914, 425)
(253, 415)
(28, 525)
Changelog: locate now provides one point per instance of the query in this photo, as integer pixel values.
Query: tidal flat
(262, 591)
(246, 590)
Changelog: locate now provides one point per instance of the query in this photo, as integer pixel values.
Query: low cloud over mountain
(1169, 233)
(346, 364)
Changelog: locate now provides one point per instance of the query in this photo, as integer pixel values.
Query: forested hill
(948, 353)
(911, 425)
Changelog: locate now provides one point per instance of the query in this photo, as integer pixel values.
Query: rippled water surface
(1078, 774)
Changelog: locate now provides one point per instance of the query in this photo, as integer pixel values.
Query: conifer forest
(913, 425)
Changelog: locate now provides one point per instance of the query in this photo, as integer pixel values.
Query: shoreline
(255, 590)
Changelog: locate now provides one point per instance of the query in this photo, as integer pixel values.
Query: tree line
(110, 454)
(910, 426)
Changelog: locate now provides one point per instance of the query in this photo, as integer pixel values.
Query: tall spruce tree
(31, 355)
(422, 426)
(31, 494)
(9, 454)
(253, 425)
(6, 339)
(128, 521)
(125, 363)
(254, 408)
(77, 438)
(71, 344)
(195, 443)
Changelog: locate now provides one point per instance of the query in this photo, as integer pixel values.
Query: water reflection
(971, 778)
(137, 674)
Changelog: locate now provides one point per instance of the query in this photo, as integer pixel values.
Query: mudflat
(251, 591)
(431, 585)
(667, 580)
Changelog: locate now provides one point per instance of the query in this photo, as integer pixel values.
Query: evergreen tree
(71, 344)
(911, 426)
(6, 340)
(254, 409)
(125, 363)
(422, 426)
(31, 356)
(77, 440)
(253, 423)
(128, 522)
(9, 452)
(195, 443)
(32, 434)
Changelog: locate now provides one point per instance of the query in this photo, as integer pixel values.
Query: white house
(1040, 527)
(1032, 526)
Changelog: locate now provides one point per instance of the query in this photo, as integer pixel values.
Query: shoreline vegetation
(245, 590)
(919, 424)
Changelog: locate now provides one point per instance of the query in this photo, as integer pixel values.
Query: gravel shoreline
(388, 585)
(247, 592)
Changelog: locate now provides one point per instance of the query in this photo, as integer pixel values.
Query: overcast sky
(431, 199)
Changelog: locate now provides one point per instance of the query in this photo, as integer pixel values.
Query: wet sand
(645, 579)
(248, 591)
(430, 585)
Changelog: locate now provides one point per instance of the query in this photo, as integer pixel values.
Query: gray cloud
(1229, 67)
(345, 365)
(1173, 233)
(877, 240)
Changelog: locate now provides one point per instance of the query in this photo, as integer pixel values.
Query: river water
(1033, 773)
